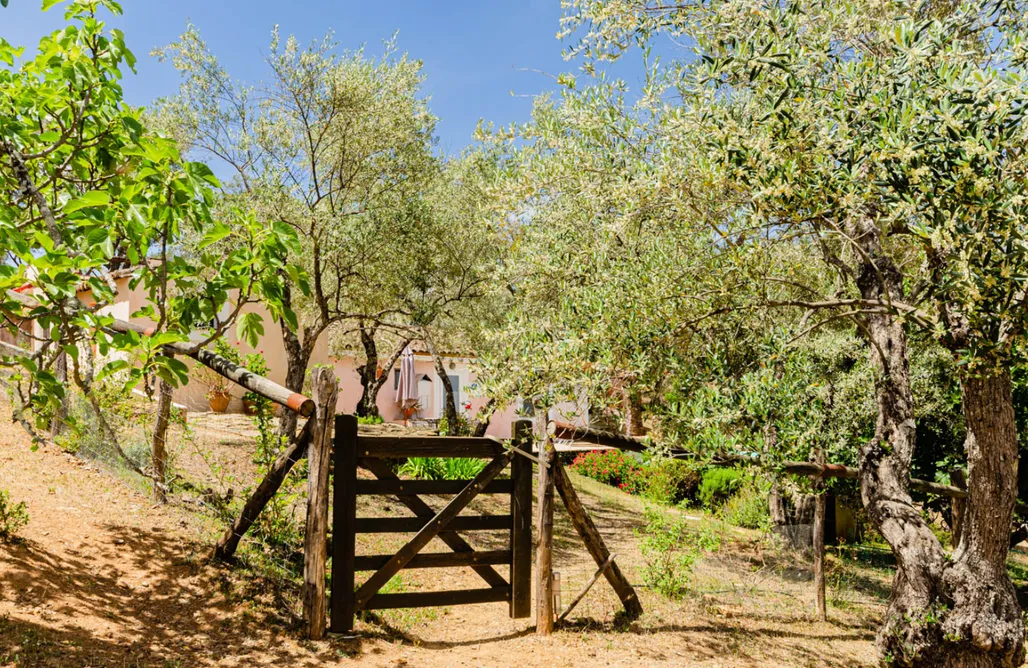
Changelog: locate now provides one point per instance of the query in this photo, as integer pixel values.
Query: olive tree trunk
(944, 611)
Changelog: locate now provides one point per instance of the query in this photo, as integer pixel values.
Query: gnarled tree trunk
(943, 611)
(368, 405)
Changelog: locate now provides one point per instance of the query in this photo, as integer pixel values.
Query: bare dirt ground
(103, 578)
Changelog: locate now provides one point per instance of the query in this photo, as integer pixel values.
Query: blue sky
(476, 53)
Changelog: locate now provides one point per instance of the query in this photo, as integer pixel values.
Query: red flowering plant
(611, 467)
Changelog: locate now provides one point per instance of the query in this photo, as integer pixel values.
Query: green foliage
(13, 516)
(671, 481)
(718, 485)
(611, 467)
(462, 468)
(747, 507)
(422, 468)
(442, 468)
(370, 419)
(89, 187)
(670, 549)
(462, 428)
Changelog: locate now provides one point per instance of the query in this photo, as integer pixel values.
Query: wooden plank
(521, 523)
(415, 524)
(422, 509)
(344, 532)
(430, 531)
(437, 560)
(437, 598)
(437, 487)
(430, 446)
(319, 453)
(589, 534)
(544, 550)
(226, 547)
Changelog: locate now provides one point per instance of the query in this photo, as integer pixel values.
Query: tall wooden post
(820, 501)
(344, 523)
(319, 456)
(521, 526)
(544, 550)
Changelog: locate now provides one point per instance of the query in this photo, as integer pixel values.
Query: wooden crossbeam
(437, 560)
(425, 599)
(452, 539)
(430, 446)
(430, 531)
(413, 524)
(382, 487)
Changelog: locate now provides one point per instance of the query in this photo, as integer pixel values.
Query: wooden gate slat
(436, 598)
(414, 524)
(452, 539)
(430, 531)
(430, 446)
(344, 537)
(382, 487)
(437, 560)
(521, 524)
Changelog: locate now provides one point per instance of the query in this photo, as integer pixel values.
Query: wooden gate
(353, 451)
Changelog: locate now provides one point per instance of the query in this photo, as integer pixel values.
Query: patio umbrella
(407, 388)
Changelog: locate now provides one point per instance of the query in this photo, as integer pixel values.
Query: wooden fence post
(319, 456)
(521, 527)
(544, 550)
(344, 523)
(820, 501)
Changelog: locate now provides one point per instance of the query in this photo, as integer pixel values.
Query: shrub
(747, 508)
(670, 481)
(462, 468)
(611, 467)
(13, 516)
(717, 486)
(442, 468)
(370, 419)
(669, 558)
(462, 428)
(422, 468)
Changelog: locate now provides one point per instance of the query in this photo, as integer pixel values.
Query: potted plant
(219, 388)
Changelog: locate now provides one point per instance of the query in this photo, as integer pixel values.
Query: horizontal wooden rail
(415, 524)
(437, 598)
(811, 469)
(437, 560)
(381, 487)
(266, 388)
(428, 446)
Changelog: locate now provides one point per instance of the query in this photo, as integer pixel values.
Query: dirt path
(102, 578)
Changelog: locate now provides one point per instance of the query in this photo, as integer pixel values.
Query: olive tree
(891, 137)
(323, 146)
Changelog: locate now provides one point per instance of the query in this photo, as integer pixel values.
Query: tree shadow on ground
(175, 608)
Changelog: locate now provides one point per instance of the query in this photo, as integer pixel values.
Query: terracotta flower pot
(249, 406)
(219, 402)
